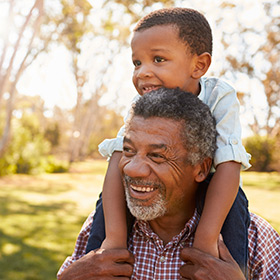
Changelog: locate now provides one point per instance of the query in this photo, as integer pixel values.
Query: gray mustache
(141, 182)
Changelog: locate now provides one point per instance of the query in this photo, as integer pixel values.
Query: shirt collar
(202, 88)
(143, 228)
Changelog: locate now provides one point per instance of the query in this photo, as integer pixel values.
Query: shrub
(54, 165)
(28, 151)
(262, 150)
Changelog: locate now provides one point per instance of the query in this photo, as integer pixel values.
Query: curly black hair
(194, 29)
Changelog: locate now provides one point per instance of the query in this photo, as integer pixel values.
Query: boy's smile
(162, 59)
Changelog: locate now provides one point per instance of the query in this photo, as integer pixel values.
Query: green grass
(42, 215)
(263, 192)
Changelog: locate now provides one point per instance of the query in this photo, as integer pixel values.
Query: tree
(23, 52)
(75, 33)
(258, 56)
(72, 24)
(38, 24)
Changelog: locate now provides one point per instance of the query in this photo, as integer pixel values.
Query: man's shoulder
(264, 248)
(261, 232)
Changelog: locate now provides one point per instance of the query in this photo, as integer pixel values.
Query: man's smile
(142, 189)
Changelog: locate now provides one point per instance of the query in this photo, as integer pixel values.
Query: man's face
(157, 178)
(162, 59)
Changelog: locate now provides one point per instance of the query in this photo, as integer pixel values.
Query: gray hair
(198, 125)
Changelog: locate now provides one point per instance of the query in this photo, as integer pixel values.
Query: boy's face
(162, 59)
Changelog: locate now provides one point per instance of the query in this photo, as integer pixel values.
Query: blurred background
(65, 85)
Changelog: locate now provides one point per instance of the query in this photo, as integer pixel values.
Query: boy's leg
(97, 232)
(235, 228)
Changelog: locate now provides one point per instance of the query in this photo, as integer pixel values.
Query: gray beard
(146, 213)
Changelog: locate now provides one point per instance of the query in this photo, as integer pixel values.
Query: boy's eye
(128, 151)
(159, 59)
(136, 63)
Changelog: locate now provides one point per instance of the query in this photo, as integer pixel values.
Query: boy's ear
(202, 170)
(202, 64)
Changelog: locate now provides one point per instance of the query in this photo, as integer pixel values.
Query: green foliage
(27, 146)
(110, 122)
(52, 165)
(262, 150)
(52, 134)
(74, 23)
(28, 150)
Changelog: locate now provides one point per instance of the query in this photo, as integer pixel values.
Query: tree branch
(37, 4)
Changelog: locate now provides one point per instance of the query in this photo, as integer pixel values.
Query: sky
(50, 75)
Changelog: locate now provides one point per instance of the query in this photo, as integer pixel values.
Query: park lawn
(263, 193)
(42, 215)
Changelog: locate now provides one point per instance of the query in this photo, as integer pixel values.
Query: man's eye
(157, 157)
(159, 59)
(136, 63)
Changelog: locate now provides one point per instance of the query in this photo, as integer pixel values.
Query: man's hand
(202, 266)
(101, 264)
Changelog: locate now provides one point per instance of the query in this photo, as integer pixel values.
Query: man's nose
(137, 168)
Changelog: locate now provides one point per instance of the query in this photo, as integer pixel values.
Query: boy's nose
(144, 71)
(137, 168)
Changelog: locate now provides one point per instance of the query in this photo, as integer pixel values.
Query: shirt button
(162, 259)
(234, 141)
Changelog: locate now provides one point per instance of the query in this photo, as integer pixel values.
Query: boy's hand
(202, 266)
(101, 264)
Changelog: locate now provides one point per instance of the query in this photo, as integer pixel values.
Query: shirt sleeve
(224, 105)
(264, 250)
(109, 146)
(80, 246)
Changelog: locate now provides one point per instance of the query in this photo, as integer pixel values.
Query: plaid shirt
(153, 260)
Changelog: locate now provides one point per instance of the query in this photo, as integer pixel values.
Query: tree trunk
(5, 80)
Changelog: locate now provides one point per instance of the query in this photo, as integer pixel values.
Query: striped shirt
(154, 260)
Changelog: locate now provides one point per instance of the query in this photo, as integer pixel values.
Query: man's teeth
(142, 189)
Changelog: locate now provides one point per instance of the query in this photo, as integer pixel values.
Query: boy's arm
(220, 196)
(225, 108)
(114, 206)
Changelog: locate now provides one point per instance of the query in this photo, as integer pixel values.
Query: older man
(168, 149)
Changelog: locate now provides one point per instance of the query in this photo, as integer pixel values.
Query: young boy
(172, 48)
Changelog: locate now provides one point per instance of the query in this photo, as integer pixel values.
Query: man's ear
(202, 170)
(202, 64)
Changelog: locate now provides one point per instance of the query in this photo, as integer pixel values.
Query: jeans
(97, 231)
(234, 231)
